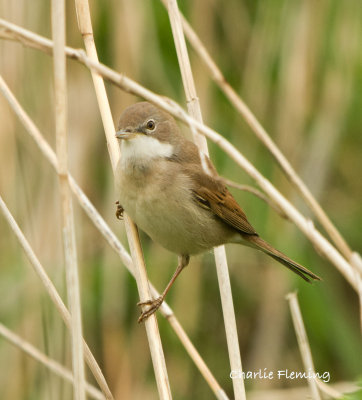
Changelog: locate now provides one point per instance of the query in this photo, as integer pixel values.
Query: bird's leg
(119, 211)
(154, 305)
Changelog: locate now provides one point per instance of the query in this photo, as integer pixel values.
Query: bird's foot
(154, 305)
(119, 211)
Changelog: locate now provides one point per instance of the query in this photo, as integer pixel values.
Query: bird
(175, 195)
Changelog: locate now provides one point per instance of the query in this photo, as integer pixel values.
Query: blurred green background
(298, 65)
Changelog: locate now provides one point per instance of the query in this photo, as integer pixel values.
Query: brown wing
(212, 194)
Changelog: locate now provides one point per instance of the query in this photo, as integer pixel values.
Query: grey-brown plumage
(165, 190)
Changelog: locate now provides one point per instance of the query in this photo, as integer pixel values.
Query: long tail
(264, 246)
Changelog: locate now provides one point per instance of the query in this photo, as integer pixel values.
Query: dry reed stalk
(54, 295)
(68, 231)
(113, 241)
(255, 192)
(86, 30)
(49, 363)
(322, 245)
(153, 335)
(328, 390)
(303, 343)
(356, 261)
(193, 106)
(197, 359)
(306, 351)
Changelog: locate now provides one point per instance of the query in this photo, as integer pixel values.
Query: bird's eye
(150, 125)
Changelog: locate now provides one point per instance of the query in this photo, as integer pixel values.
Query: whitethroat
(164, 187)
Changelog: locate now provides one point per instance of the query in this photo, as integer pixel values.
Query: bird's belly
(171, 218)
(180, 230)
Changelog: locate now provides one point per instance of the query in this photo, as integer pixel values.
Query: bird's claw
(154, 305)
(119, 211)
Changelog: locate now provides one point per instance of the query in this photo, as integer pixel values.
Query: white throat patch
(142, 149)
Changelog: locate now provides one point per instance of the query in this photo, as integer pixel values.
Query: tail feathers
(283, 259)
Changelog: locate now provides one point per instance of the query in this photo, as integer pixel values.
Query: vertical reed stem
(69, 245)
(220, 255)
(153, 335)
(303, 343)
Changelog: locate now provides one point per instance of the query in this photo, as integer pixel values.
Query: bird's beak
(126, 134)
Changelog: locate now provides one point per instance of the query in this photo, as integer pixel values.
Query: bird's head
(147, 132)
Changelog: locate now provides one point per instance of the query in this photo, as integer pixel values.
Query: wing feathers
(212, 194)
